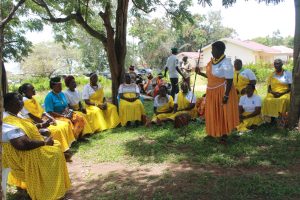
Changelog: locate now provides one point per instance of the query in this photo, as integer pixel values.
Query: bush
(261, 70)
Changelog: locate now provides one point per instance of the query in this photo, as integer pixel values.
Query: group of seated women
(251, 107)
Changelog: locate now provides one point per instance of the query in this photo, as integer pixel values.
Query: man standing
(172, 66)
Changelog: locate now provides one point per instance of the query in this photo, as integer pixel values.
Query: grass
(263, 164)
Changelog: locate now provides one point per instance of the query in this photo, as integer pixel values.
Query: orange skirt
(77, 123)
(221, 119)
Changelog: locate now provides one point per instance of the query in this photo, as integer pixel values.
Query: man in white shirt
(173, 66)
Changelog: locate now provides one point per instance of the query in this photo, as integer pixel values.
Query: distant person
(173, 66)
(242, 77)
(186, 69)
(221, 105)
(279, 88)
(150, 84)
(250, 110)
(132, 74)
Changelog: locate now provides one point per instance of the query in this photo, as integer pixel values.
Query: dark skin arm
(24, 143)
(253, 114)
(129, 99)
(190, 107)
(39, 122)
(157, 113)
(278, 94)
(228, 88)
(197, 70)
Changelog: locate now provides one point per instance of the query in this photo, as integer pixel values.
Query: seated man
(242, 77)
(250, 110)
(185, 102)
(36, 164)
(163, 106)
(279, 87)
(130, 108)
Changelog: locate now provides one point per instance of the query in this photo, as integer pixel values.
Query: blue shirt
(55, 102)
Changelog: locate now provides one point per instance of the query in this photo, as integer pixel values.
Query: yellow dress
(43, 171)
(183, 103)
(102, 119)
(273, 106)
(240, 82)
(130, 111)
(163, 108)
(62, 131)
(257, 120)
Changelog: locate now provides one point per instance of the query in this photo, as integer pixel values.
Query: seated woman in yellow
(250, 110)
(104, 115)
(279, 87)
(242, 77)
(163, 106)
(60, 130)
(130, 108)
(36, 164)
(185, 102)
(57, 106)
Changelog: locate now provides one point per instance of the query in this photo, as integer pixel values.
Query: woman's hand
(49, 141)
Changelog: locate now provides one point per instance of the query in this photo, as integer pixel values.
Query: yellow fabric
(164, 108)
(273, 106)
(62, 132)
(240, 82)
(43, 170)
(34, 107)
(130, 111)
(101, 120)
(276, 85)
(87, 129)
(183, 103)
(257, 120)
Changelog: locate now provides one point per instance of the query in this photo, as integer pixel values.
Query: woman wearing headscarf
(56, 105)
(105, 114)
(221, 107)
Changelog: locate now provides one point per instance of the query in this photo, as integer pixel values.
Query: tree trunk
(295, 92)
(116, 45)
(1, 96)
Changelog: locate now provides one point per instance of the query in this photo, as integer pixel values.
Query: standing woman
(60, 130)
(106, 114)
(57, 106)
(221, 107)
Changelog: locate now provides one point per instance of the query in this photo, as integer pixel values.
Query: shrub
(261, 70)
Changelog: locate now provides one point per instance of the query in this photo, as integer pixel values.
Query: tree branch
(11, 13)
(145, 10)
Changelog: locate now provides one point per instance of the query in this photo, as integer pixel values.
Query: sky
(249, 18)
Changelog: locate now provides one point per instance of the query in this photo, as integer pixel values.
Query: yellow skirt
(162, 116)
(273, 106)
(130, 111)
(42, 171)
(63, 133)
(101, 120)
(87, 129)
(257, 120)
(193, 113)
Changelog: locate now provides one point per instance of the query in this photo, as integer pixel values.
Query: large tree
(106, 20)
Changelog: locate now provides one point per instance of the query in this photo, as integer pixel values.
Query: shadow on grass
(188, 184)
(267, 147)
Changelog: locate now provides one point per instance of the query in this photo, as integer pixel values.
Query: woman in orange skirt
(221, 107)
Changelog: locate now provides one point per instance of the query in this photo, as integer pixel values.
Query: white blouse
(88, 90)
(248, 73)
(223, 69)
(285, 78)
(129, 88)
(73, 98)
(161, 101)
(249, 103)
